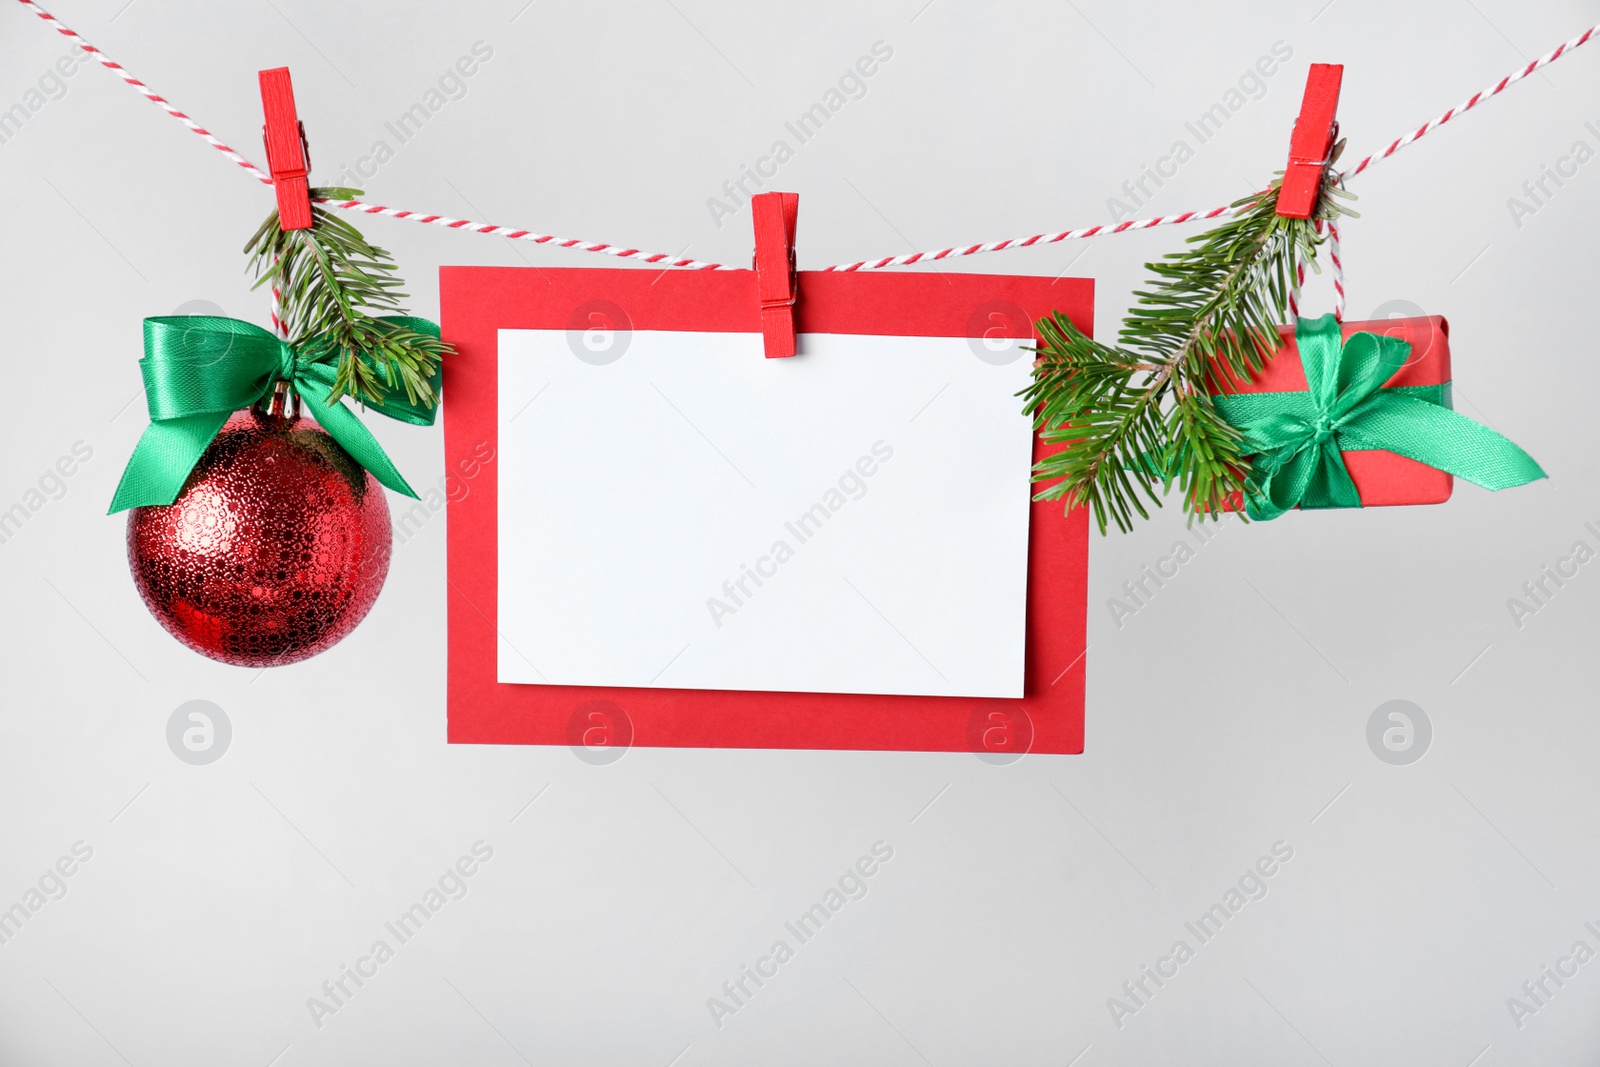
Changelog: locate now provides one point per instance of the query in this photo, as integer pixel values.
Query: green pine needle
(333, 284)
(1135, 419)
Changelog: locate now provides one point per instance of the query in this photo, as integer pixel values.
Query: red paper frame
(477, 302)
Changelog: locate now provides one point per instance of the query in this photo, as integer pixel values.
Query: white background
(911, 579)
(1228, 714)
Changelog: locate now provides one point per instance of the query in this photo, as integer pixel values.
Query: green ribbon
(1298, 439)
(199, 369)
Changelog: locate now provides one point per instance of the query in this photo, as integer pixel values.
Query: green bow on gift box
(1297, 439)
(199, 369)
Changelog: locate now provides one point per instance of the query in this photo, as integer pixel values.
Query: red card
(477, 302)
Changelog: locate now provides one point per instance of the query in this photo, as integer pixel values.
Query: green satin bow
(200, 369)
(1297, 438)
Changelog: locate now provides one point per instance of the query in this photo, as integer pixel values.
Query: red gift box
(1382, 478)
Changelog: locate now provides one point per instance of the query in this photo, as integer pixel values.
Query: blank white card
(690, 515)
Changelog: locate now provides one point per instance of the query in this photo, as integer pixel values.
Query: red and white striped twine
(512, 233)
(1299, 283)
(149, 93)
(1036, 239)
(1477, 98)
(1338, 270)
(279, 327)
(1332, 230)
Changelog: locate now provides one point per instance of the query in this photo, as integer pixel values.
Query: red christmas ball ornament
(275, 550)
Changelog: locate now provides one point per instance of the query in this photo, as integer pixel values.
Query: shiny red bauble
(275, 550)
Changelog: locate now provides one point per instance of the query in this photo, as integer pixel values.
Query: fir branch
(332, 285)
(1135, 419)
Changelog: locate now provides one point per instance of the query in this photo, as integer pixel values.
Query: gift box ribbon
(200, 369)
(1297, 439)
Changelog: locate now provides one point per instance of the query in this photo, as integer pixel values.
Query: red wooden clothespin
(1309, 149)
(287, 156)
(774, 215)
